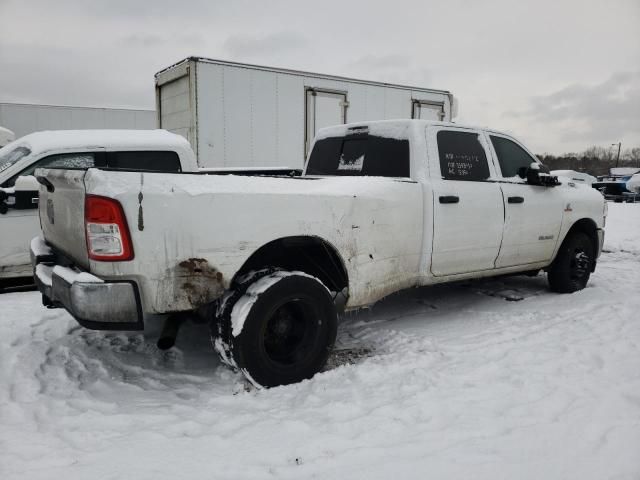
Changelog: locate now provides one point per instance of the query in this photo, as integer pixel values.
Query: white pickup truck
(269, 261)
(148, 150)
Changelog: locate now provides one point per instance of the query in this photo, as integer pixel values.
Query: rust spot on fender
(195, 283)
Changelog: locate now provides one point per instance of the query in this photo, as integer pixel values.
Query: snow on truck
(270, 261)
(236, 114)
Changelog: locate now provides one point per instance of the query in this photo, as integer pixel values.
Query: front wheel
(279, 331)
(571, 269)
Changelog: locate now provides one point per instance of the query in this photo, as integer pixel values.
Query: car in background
(572, 175)
(615, 186)
(633, 185)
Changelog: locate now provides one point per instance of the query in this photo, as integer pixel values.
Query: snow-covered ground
(491, 379)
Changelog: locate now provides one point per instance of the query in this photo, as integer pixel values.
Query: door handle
(449, 199)
(516, 200)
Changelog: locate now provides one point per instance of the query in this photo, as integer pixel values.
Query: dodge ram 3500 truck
(269, 261)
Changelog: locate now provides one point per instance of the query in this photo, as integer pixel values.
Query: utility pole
(619, 144)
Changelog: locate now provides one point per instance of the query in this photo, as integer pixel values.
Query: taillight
(108, 236)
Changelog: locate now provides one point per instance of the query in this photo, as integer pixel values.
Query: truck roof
(391, 128)
(110, 139)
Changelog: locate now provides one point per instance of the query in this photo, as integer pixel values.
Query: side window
(144, 160)
(510, 156)
(360, 155)
(462, 156)
(68, 160)
(78, 161)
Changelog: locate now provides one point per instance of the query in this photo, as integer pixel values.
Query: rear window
(360, 155)
(146, 161)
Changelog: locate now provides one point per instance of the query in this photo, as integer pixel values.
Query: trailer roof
(298, 73)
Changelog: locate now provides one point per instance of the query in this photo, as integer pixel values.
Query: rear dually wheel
(278, 329)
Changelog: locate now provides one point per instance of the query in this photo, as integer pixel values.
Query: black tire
(573, 264)
(289, 328)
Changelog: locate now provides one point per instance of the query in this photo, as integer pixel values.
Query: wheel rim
(580, 265)
(290, 332)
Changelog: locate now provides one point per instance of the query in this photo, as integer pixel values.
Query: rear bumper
(94, 303)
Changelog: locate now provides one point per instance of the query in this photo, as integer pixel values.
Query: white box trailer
(240, 115)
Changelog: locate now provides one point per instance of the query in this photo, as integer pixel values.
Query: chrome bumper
(94, 303)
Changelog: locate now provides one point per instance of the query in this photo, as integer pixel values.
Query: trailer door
(323, 109)
(424, 110)
(175, 107)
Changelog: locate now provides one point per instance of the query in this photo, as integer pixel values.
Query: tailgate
(61, 209)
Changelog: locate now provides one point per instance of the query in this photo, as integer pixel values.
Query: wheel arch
(586, 226)
(310, 254)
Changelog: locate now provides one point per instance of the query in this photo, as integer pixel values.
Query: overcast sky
(560, 75)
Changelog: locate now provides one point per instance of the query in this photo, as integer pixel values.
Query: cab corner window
(511, 156)
(462, 156)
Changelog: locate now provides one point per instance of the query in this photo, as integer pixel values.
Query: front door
(533, 213)
(468, 212)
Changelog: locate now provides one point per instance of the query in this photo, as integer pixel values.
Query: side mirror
(538, 174)
(26, 192)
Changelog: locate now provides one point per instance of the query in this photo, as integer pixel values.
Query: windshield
(9, 155)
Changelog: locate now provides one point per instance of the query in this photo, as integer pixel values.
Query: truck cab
(138, 150)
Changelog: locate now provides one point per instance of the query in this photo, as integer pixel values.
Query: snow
(90, 139)
(399, 129)
(39, 247)
(450, 381)
(574, 176)
(43, 273)
(243, 306)
(70, 276)
(624, 171)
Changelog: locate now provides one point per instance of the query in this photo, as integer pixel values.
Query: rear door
(323, 109)
(174, 105)
(468, 209)
(533, 213)
(427, 110)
